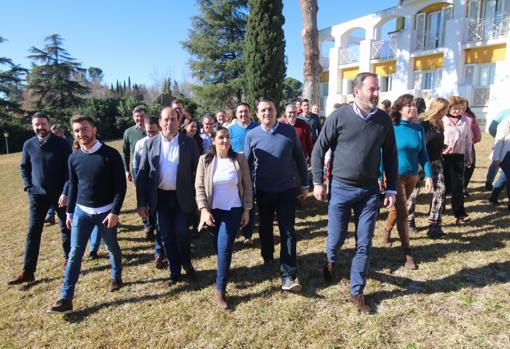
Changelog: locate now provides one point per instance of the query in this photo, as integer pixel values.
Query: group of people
(212, 173)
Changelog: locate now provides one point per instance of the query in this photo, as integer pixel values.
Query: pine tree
(10, 86)
(56, 80)
(215, 44)
(264, 51)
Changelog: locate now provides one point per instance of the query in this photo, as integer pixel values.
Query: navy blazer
(147, 179)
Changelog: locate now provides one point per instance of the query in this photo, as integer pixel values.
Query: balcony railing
(481, 96)
(384, 49)
(348, 55)
(430, 40)
(486, 29)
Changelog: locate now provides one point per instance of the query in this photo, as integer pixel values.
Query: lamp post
(6, 135)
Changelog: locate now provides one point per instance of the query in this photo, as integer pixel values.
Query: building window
(428, 80)
(479, 75)
(385, 83)
(324, 88)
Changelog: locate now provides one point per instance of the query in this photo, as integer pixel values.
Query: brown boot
(221, 300)
(328, 271)
(22, 277)
(386, 237)
(359, 300)
(410, 264)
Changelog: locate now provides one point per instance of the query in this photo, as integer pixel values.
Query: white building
(439, 49)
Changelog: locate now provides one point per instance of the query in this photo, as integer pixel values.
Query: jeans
(81, 230)
(38, 207)
(454, 180)
(175, 236)
(364, 202)
(51, 212)
(95, 240)
(492, 171)
(284, 204)
(225, 231)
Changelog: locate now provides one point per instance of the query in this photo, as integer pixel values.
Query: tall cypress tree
(215, 44)
(264, 51)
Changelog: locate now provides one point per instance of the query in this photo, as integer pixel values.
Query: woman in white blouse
(501, 152)
(224, 197)
(458, 139)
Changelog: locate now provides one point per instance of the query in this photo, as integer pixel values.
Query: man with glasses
(206, 131)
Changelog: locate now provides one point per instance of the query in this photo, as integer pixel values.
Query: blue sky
(142, 39)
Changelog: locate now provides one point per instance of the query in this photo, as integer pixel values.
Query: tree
(264, 50)
(310, 35)
(291, 91)
(57, 82)
(10, 86)
(215, 44)
(95, 74)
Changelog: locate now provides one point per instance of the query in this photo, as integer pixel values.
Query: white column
(365, 48)
(453, 58)
(333, 95)
(404, 77)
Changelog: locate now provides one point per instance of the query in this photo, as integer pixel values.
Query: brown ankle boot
(410, 264)
(221, 300)
(22, 277)
(386, 237)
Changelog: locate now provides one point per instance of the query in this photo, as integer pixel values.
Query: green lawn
(458, 298)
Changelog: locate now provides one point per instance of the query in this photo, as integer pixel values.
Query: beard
(374, 102)
(42, 133)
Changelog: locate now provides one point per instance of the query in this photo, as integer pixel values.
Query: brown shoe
(248, 242)
(410, 264)
(22, 278)
(328, 271)
(386, 237)
(359, 300)
(221, 300)
(61, 306)
(115, 285)
(160, 262)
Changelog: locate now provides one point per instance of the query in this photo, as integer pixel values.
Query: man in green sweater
(131, 136)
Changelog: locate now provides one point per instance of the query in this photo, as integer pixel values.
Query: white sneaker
(291, 285)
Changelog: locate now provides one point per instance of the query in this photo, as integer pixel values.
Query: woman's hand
(246, 217)
(428, 185)
(207, 217)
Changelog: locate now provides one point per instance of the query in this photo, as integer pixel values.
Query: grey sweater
(357, 146)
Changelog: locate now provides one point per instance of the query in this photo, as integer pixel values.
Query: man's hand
(389, 200)
(69, 221)
(428, 185)
(128, 176)
(111, 220)
(319, 191)
(143, 212)
(304, 194)
(62, 201)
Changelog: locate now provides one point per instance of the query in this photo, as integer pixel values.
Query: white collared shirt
(360, 114)
(168, 163)
(271, 130)
(93, 149)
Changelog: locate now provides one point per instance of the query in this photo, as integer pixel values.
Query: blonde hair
(436, 106)
(454, 100)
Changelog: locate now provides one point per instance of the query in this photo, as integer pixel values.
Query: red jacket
(304, 134)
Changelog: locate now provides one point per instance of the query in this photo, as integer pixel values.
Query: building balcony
(384, 49)
(429, 40)
(348, 55)
(486, 29)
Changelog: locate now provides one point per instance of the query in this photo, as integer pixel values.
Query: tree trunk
(310, 34)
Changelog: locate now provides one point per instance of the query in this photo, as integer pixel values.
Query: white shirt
(137, 155)
(360, 113)
(168, 163)
(225, 190)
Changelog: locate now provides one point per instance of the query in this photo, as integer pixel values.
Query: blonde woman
(458, 139)
(432, 122)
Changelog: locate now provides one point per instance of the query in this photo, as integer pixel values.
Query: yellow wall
(430, 62)
(487, 54)
(385, 68)
(350, 73)
(324, 76)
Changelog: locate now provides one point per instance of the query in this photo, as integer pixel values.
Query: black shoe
(190, 272)
(160, 262)
(115, 285)
(268, 265)
(435, 231)
(50, 220)
(172, 281)
(149, 234)
(488, 186)
(328, 271)
(93, 255)
(61, 306)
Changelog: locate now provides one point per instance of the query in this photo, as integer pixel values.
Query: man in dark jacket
(44, 171)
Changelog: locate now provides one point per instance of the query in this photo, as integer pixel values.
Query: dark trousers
(454, 180)
(38, 207)
(505, 167)
(468, 171)
(284, 205)
(247, 230)
(365, 203)
(175, 236)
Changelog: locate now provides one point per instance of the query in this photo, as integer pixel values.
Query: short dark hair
(81, 118)
(58, 127)
(39, 115)
(360, 78)
(176, 100)
(336, 105)
(263, 99)
(152, 120)
(245, 104)
(397, 106)
(140, 108)
(386, 103)
(305, 100)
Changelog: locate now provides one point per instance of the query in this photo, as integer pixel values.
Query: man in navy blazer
(165, 185)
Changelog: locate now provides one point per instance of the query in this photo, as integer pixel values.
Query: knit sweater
(272, 154)
(356, 144)
(411, 149)
(131, 136)
(238, 135)
(434, 139)
(96, 179)
(43, 167)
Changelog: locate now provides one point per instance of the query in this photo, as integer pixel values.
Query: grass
(458, 298)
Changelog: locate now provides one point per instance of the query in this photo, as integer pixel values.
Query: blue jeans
(175, 236)
(364, 202)
(38, 208)
(83, 224)
(95, 240)
(51, 212)
(225, 231)
(284, 204)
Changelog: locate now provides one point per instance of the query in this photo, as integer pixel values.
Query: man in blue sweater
(356, 136)
(43, 168)
(272, 148)
(97, 187)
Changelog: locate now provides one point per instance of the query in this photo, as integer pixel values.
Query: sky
(141, 39)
